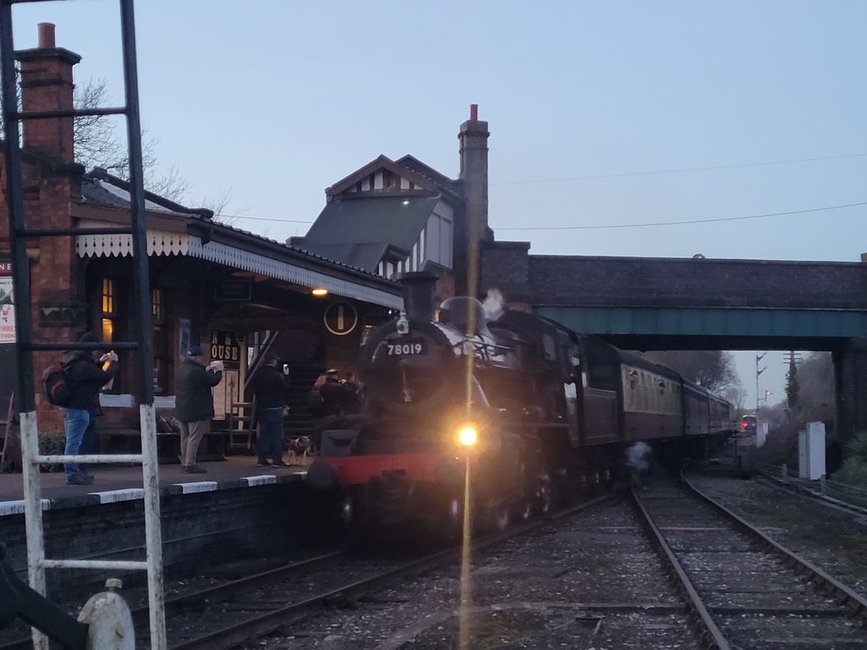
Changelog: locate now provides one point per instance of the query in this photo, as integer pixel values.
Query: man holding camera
(194, 404)
(85, 377)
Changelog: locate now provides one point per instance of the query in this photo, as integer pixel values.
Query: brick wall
(50, 181)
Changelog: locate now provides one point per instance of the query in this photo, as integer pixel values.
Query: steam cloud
(493, 305)
(638, 456)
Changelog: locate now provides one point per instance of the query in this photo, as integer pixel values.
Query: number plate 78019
(407, 348)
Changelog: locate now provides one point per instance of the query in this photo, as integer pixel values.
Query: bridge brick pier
(700, 304)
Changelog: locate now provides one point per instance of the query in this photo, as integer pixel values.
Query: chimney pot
(474, 110)
(46, 36)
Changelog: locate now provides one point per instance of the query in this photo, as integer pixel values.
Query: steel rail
(810, 493)
(140, 615)
(701, 618)
(847, 596)
(235, 634)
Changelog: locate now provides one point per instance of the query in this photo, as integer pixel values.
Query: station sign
(234, 291)
(225, 347)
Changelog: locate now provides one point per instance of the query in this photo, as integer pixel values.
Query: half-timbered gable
(388, 218)
(394, 216)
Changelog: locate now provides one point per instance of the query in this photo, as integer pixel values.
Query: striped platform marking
(197, 486)
(113, 496)
(17, 507)
(261, 479)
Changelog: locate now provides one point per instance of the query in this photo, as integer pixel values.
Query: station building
(231, 291)
(228, 290)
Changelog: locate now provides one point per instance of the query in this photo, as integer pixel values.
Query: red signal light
(744, 424)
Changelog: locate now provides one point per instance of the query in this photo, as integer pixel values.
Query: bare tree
(97, 144)
(712, 369)
(219, 205)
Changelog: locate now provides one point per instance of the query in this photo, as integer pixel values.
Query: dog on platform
(300, 448)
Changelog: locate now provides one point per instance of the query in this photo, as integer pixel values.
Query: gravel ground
(592, 582)
(834, 540)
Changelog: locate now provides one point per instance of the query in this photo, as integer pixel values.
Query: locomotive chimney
(418, 294)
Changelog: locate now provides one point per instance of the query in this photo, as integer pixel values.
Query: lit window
(107, 330)
(109, 291)
(109, 308)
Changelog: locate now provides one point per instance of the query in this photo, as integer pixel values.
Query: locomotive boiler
(517, 405)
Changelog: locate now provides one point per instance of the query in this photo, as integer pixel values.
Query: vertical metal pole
(144, 323)
(15, 198)
(23, 318)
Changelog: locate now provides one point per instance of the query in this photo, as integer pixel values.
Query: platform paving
(114, 483)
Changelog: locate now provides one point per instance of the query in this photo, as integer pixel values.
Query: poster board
(225, 393)
(7, 304)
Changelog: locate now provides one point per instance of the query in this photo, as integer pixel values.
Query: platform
(115, 483)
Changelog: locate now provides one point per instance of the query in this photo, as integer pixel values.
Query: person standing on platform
(194, 404)
(85, 377)
(271, 388)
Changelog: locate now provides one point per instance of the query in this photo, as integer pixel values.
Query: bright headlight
(468, 435)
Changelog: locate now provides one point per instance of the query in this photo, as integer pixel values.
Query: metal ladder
(19, 236)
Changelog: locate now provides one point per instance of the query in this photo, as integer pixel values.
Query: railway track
(766, 477)
(226, 615)
(744, 589)
(190, 602)
(607, 578)
(258, 605)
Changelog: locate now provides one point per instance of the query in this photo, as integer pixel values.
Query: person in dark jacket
(337, 397)
(85, 377)
(194, 404)
(271, 388)
(332, 400)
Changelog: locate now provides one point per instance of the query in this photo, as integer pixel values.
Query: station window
(109, 308)
(157, 308)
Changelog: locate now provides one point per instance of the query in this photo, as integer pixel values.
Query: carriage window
(603, 367)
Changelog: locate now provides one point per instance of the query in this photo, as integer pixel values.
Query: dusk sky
(740, 124)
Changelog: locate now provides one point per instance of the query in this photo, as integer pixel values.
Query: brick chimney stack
(472, 229)
(473, 137)
(46, 85)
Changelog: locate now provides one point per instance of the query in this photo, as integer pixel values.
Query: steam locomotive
(507, 405)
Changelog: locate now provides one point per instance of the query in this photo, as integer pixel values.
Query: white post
(33, 513)
(153, 533)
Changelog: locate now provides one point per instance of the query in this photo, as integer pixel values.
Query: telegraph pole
(759, 357)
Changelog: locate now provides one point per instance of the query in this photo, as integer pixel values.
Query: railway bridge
(701, 304)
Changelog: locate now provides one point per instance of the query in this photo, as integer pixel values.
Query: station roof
(174, 229)
(359, 231)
